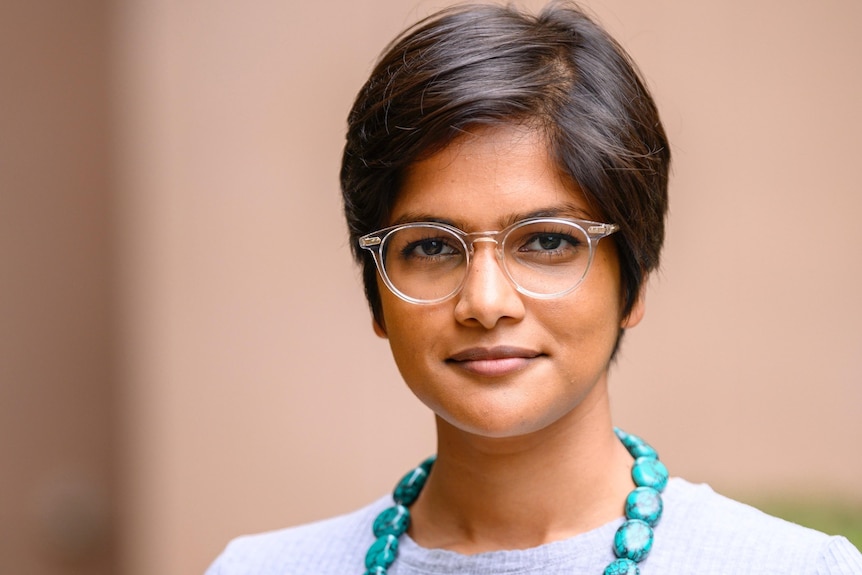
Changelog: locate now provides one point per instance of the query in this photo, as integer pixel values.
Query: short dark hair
(480, 65)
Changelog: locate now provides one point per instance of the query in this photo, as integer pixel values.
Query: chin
(496, 427)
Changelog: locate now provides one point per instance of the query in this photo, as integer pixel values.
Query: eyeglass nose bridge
(484, 237)
(490, 237)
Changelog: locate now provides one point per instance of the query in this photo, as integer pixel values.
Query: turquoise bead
(428, 463)
(392, 521)
(376, 570)
(633, 540)
(643, 450)
(644, 503)
(382, 552)
(649, 472)
(631, 440)
(622, 567)
(636, 446)
(410, 486)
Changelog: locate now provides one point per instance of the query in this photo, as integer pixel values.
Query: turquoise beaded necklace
(632, 541)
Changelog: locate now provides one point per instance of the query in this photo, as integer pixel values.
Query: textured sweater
(700, 533)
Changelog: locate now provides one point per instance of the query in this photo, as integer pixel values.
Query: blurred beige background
(185, 352)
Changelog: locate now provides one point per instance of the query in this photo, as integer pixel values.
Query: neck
(487, 494)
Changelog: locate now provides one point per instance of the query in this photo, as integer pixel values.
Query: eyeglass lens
(427, 262)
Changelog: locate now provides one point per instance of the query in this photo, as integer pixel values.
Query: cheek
(602, 290)
(586, 324)
(582, 326)
(415, 338)
(413, 330)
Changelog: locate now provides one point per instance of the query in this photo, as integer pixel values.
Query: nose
(487, 295)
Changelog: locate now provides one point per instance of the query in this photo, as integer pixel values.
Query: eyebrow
(563, 211)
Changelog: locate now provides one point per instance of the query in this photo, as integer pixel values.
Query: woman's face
(491, 361)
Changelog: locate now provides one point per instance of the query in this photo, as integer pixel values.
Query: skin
(514, 382)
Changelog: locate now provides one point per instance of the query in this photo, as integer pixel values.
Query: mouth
(494, 361)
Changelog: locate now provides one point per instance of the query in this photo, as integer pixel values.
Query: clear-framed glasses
(427, 262)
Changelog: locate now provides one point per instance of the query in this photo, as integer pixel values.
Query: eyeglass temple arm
(369, 242)
(602, 230)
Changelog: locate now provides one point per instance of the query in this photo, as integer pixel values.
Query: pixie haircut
(489, 65)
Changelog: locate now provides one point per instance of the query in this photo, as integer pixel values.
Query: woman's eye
(548, 242)
(429, 248)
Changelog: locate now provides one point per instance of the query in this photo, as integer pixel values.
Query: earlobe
(379, 329)
(638, 309)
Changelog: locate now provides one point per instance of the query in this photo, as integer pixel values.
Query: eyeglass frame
(594, 232)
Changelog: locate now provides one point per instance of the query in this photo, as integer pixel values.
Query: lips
(494, 361)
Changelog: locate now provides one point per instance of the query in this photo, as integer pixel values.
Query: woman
(505, 187)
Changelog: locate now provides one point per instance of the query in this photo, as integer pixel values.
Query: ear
(638, 309)
(379, 328)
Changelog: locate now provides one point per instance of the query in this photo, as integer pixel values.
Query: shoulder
(320, 547)
(703, 528)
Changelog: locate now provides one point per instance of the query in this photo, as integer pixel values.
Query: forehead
(487, 178)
